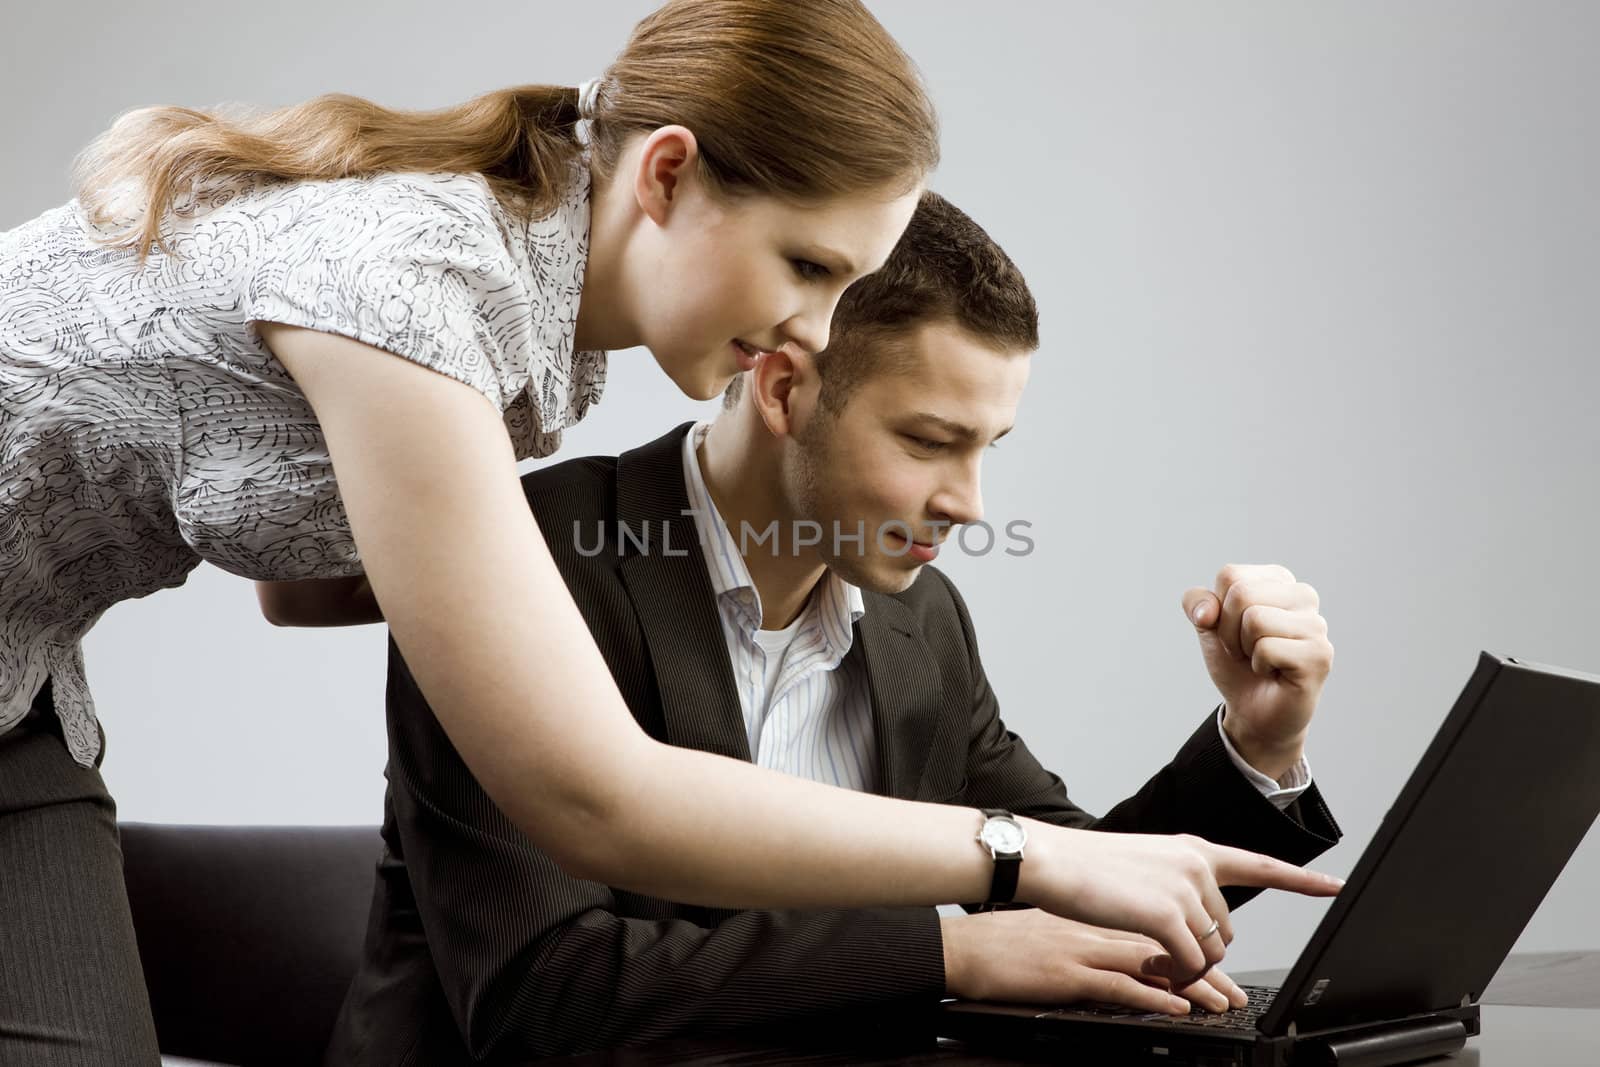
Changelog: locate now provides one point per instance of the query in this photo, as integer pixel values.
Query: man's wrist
(1272, 756)
(951, 935)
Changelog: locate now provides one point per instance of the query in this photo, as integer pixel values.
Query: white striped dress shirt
(807, 710)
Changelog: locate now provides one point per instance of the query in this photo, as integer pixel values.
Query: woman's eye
(809, 270)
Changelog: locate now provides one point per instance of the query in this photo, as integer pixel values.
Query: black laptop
(1393, 973)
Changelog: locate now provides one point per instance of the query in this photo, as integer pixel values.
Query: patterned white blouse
(145, 428)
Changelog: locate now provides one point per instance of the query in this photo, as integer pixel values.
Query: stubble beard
(808, 492)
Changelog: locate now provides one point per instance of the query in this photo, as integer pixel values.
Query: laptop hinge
(1401, 1043)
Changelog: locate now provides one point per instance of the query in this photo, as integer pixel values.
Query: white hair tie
(588, 97)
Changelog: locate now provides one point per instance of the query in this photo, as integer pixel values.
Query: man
(760, 589)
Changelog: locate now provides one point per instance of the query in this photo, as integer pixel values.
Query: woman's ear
(667, 161)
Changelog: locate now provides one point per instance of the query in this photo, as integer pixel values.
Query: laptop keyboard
(1241, 1019)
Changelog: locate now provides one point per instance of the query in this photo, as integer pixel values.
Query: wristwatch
(1004, 837)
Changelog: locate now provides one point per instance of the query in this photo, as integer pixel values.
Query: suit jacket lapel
(677, 609)
(903, 679)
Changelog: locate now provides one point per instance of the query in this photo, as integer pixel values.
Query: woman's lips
(746, 355)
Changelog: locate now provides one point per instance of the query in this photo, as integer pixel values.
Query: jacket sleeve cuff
(1281, 791)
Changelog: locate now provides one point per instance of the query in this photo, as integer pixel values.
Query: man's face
(902, 458)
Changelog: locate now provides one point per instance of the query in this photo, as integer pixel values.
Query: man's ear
(667, 160)
(783, 387)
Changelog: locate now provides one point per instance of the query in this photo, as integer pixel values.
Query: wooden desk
(1541, 1010)
(1548, 980)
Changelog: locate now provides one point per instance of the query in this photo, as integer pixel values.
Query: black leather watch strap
(1007, 867)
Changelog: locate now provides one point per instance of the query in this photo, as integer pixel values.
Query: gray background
(1318, 286)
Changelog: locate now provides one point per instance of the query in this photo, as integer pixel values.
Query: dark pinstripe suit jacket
(480, 949)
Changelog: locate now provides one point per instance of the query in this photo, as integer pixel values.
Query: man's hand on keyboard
(1032, 956)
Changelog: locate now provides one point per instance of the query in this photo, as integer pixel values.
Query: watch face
(1003, 835)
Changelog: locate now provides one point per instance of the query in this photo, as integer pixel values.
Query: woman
(313, 345)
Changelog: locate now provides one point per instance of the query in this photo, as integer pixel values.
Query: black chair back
(249, 934)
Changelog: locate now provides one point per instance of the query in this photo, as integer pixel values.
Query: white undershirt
(774, 646)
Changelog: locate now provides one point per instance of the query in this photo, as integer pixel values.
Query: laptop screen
(1500, 800)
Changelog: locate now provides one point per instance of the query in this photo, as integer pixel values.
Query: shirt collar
(839, 603)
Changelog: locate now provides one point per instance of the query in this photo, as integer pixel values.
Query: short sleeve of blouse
(416, 264)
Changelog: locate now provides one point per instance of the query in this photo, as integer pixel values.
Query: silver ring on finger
(1216, 925)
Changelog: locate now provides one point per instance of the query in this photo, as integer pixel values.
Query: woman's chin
(707, 385)
(699, 381)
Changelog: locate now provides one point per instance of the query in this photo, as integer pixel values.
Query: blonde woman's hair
(798, 100)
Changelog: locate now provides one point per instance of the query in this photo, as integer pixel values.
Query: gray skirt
(71, 987)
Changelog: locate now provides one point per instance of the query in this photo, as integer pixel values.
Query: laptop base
(1145, 1039)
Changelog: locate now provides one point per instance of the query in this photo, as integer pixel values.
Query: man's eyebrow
(956, 429)
(834, 261)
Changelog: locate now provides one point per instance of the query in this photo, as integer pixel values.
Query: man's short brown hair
(945, 268)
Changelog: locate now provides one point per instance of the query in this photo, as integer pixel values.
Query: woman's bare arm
(319, 602)
(496, 643)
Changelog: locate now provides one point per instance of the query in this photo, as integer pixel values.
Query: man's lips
(921, 551)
